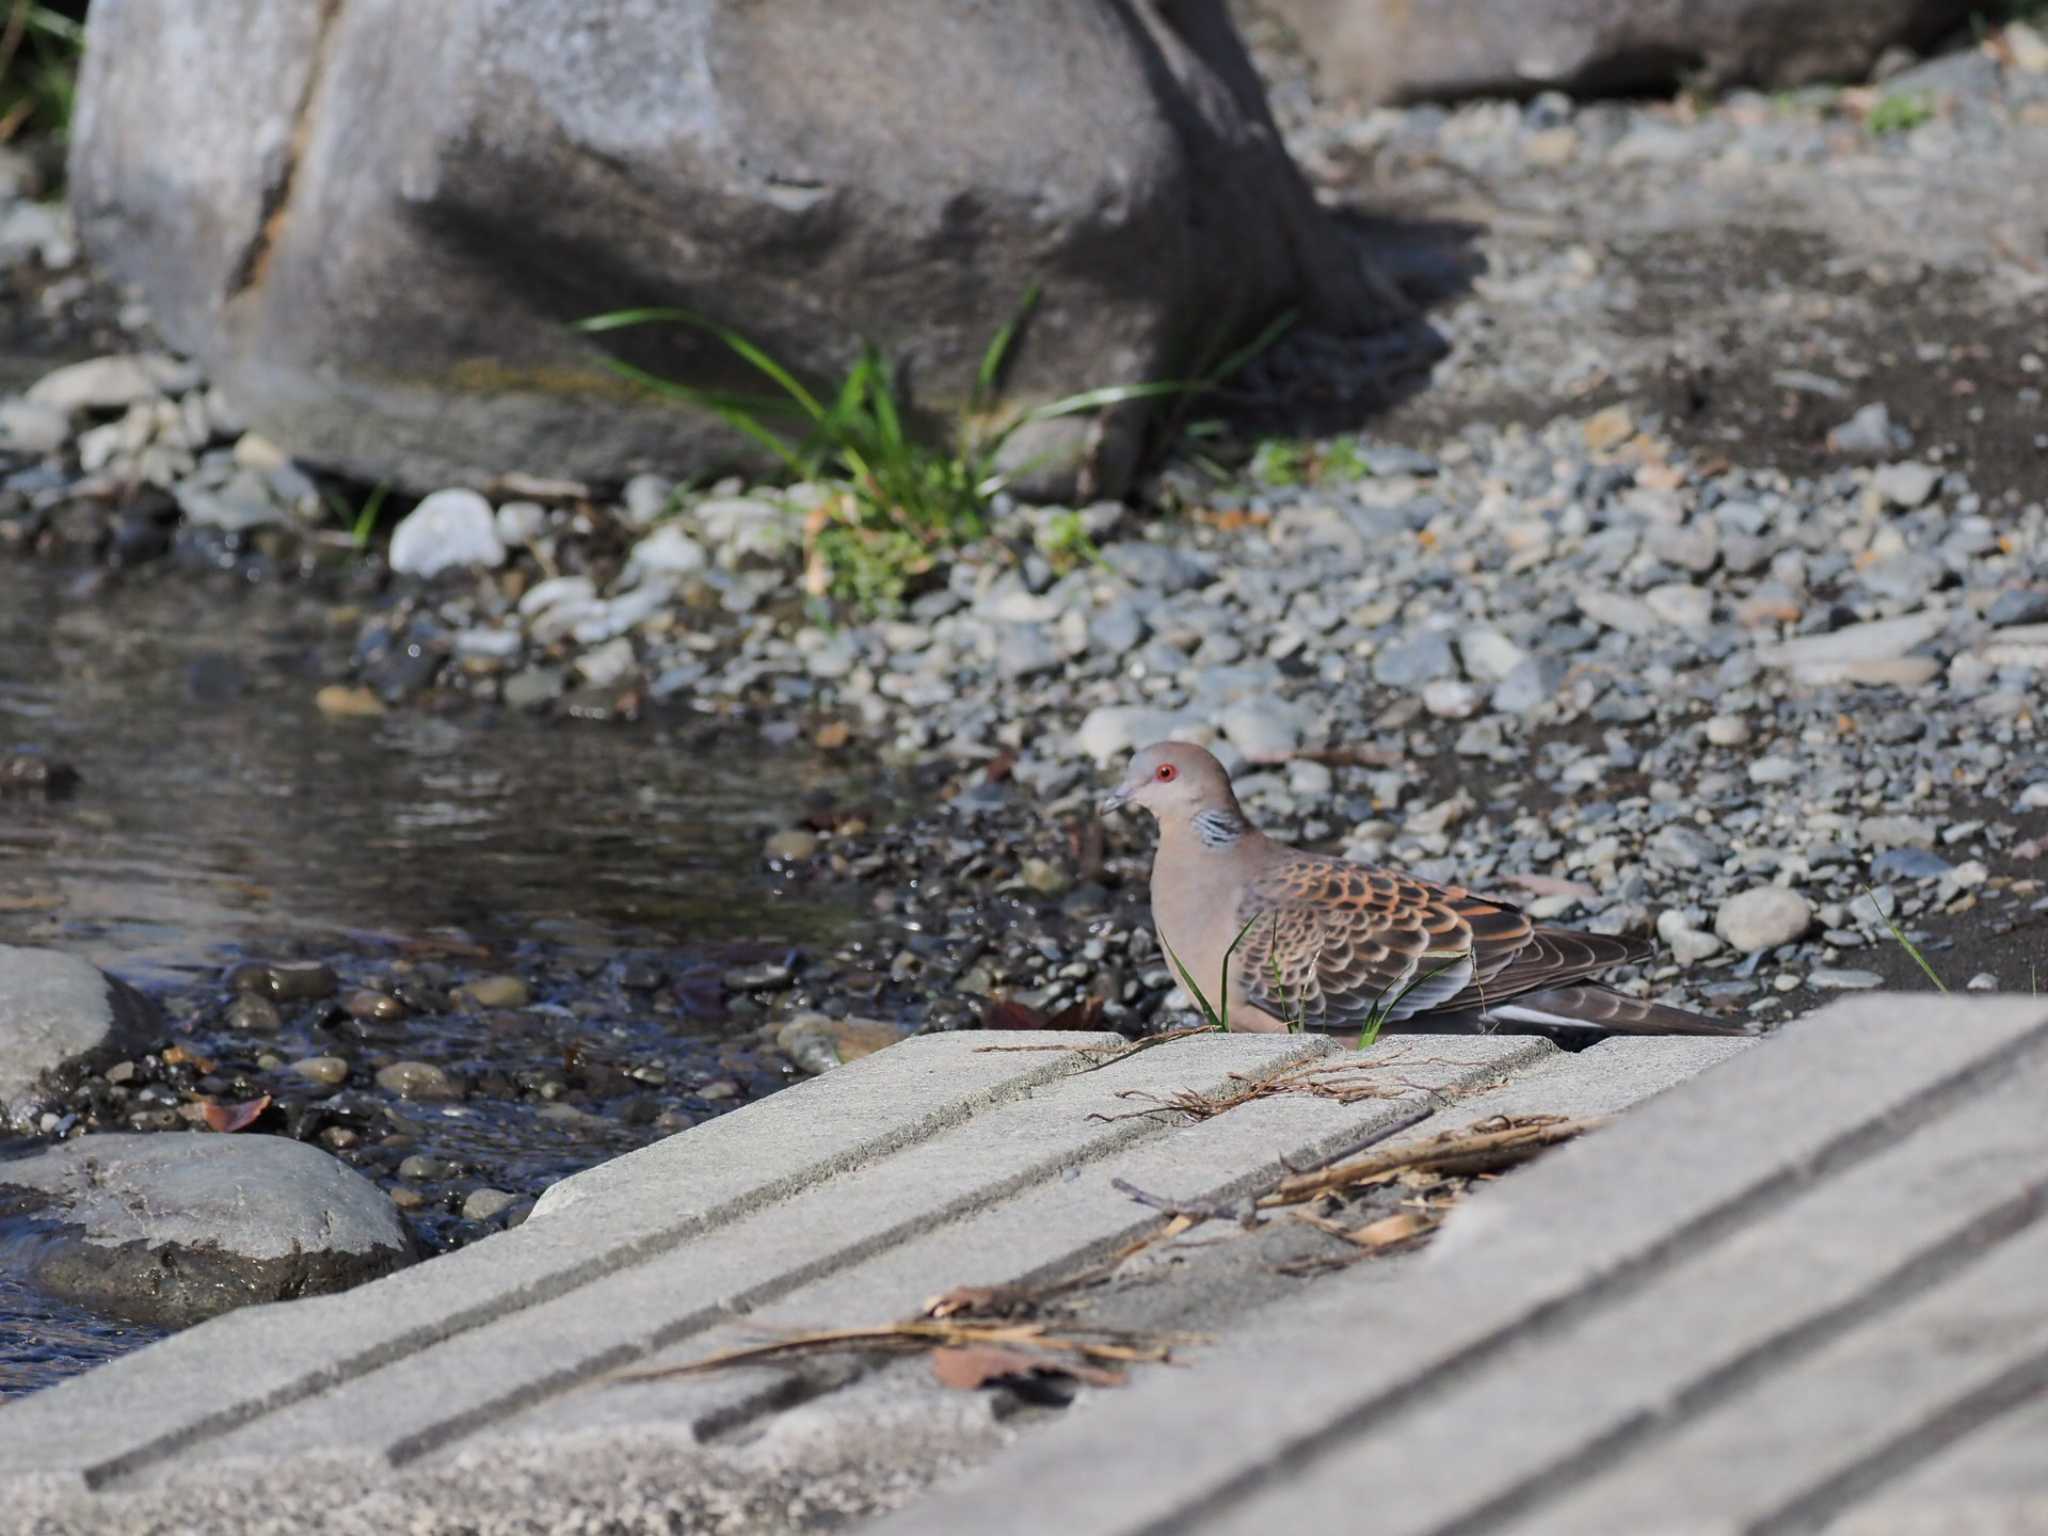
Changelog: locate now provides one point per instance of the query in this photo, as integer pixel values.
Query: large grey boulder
(1395, 50)
(375, 222)
(176, 1228)
(60, 1015)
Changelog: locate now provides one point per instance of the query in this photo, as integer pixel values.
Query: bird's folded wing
(1332, 942)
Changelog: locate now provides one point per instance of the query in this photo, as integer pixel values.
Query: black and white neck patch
(1219, 829)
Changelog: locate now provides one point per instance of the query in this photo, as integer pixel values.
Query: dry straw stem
(1493, 1144)
(1099, 1345)
(1342, 1081)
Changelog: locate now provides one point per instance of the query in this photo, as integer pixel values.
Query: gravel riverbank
(1703, 594)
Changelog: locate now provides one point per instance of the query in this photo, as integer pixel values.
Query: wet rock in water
(449, 530)
(61, 1017)
(791, 845)
(904, 120)
(308, 982)
(421, 1168)
(818, 1044)
(173, 1229)
(325, 1071)
(495, 992)
(418, 1080)
(485, 1204)
(249, 1014)
(1763, 918)
(340, 703)
(764, 977)
(27, 774)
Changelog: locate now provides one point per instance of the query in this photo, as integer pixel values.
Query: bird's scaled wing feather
(1332, 942)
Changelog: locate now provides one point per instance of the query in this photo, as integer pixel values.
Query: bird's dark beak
(1116, 799)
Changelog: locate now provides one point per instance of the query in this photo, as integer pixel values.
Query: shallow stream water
(220, 816)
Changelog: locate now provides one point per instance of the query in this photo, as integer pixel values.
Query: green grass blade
(1236, 361)
(1899, 934)
(366, 520)
(998, 353)
(1194, 991)
(753, 355)
(740, 420)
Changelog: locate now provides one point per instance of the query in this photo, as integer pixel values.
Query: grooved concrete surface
(1806, 1289)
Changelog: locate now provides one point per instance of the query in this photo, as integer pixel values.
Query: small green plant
(1216, 1017)
(1905, 943)
(1384, 1005)
(1900, 112)
(903, 502)
(361, 521)
(1063, 539)
(1344, 461)
(39, 52)
(1279, 462)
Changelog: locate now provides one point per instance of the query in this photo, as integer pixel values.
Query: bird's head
(1174, 780)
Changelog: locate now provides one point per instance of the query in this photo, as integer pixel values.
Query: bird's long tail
(1595, 1007)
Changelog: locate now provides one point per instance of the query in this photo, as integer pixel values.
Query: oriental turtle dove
(1330, 944)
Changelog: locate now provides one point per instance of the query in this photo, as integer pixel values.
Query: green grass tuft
(40, 48)
(902, 502)
(1900, 113)
(1215, 1016)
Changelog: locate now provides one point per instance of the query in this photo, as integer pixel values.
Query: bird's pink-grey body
(1328, 943)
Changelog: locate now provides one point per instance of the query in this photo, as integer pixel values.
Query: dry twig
(1493, 1144)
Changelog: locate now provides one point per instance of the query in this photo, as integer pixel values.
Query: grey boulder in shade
(174, 1228)
(1395, 50)
(375, 222)
(61, 1015)
(1309, 939)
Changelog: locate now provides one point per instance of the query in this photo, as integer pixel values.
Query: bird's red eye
(1167, 773)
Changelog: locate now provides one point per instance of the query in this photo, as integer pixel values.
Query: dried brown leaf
(234, 1117)
(969, 1367)
(1002, 1013)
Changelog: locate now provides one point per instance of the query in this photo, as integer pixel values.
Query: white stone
(1681, 605)
(1688, 945)
(1449, 699)
(1111, 730)
(33, 427)
(1615, 610)
(1880, 640)
(646, 497)
(1263, 729)
(1906, 485)
(1763, 918)
(1728, 730)
(1488, 655)
(608, 664)
(668, 549)
(109, 383)
(449, 530)
(521, 522)
(555, 591)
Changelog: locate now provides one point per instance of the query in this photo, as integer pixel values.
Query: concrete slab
(1804, 1216)
(1390, 1397)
